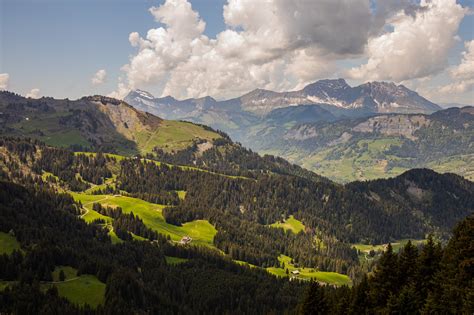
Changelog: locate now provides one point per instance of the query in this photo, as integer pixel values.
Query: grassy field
(175, 260)
(397, 245)
(52, 132)
(290, 224)
(460, 164)
(201, 231)
(172, 136)
(308, 273)
(84, 289)
(8, 243)
(181, 194)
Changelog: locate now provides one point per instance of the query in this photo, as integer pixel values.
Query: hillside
(378, 146)
(179, 200)
(96, 122)
(121, 225)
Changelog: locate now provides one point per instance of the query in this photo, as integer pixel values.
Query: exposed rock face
(394, 125)
(301, 133)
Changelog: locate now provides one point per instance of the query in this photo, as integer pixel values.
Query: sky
(225, 48)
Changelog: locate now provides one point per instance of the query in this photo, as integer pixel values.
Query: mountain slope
(380, 146)
(96, 122)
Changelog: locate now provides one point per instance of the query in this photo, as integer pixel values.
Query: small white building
(295, 272)
(185, 240)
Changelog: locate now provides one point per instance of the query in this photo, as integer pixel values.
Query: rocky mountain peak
(326, 86)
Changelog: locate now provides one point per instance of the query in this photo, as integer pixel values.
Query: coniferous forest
(39, 211)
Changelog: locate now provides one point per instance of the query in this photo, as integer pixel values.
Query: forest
(431, 279)
(38, 209)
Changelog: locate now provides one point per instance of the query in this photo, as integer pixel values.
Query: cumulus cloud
(462, 74)
(272, 44)
(99, 77)
(34, 93)
(417, 46)
(281, 44)
(4, 77)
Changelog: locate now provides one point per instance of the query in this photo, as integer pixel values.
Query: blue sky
(56, 46)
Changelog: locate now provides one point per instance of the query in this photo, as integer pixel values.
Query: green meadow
(172, 136)
(290, 224)
(81, 290)
(308, 273)
(397, 245)
(8, 243)
(201, 231)
(170, 260)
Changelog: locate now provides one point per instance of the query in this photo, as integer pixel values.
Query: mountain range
(372, 97)
(374, 130)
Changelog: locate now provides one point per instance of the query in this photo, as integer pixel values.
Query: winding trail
(55, 282)
(91, 202)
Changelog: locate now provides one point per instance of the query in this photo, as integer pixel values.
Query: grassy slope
(175, 260)
(291, 224)
(308, 273)
(380, 247)
(172, 135)
(8, 243)
(84, 289)
(460, 164)
(201, 231)
(52, 132)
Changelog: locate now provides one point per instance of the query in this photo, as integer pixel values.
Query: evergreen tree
(428, 265)
(407, 263)
(385, 281)
(62, 277)
(315, 302)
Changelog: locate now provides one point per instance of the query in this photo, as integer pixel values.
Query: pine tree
(360, 298)
(315, 302)
(428, 265)
(406, 302)
(385, 281)
(407, 263)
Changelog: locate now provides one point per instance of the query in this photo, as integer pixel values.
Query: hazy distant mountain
(372, 97)
(449, 105)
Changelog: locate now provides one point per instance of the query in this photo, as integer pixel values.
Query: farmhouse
(295, 272)
(185, 240)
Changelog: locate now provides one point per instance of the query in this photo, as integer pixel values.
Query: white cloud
(4, 77)
(462, 74)
(34, 93)
(99, 77)
(282, 44)
(272, 44)
(417, 46)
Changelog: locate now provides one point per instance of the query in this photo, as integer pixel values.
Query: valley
(186, 196)
(269, 157)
